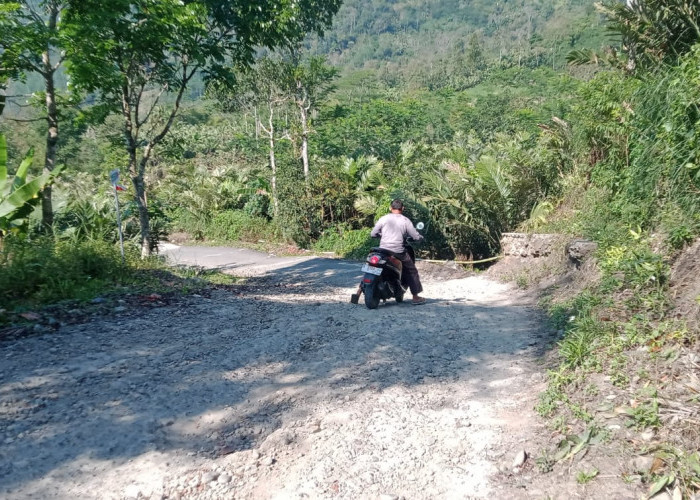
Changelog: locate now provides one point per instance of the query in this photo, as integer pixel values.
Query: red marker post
(114, 179)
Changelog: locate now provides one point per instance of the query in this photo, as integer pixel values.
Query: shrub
(237, 225)
(43, 270)
(352, 244)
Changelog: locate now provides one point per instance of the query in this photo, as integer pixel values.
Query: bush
(44, 270)
(237, 225)
(352, 244)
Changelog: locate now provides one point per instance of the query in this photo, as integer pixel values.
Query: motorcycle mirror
(420, 226)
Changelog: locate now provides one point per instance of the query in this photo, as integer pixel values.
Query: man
(393, 228)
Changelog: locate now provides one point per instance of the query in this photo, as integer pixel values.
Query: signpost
(114, 179)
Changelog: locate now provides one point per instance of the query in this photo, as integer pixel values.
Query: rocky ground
(280, 388)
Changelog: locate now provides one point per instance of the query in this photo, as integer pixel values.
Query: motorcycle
(382, 278)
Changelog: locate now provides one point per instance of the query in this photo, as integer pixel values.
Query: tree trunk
(142, 204)
(273, 165)
(303, 112)
(52, 119)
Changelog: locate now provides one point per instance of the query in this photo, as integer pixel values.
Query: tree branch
(59, 62)
(171, 119)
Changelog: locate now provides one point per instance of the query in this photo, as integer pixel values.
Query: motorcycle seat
(384, 251)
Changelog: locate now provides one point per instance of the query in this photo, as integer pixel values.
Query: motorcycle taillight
(374, 260)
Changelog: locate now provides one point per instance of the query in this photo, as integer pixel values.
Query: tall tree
(135, 51)
(310, 82)
(31, 41)
(263, 86)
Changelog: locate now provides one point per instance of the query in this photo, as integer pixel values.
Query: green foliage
(645, 414)
(237, 225)
(585, 477)
(158, 223)
(654, 31)
(87, 219)
(18, 195)
(45, 271)
(346, 243)
(578, 346)
(28, 30)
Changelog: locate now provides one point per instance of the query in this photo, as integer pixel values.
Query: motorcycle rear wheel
(372, 294)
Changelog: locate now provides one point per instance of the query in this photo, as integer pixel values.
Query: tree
(310, 83)
(654, 30)
(137, 51)
(263, 85)
(31, 42)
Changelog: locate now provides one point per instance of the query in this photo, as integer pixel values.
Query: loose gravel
(279, 389)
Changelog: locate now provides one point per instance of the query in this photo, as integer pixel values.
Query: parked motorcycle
(382, 278)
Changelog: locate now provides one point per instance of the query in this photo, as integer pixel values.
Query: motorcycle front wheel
(372, 294)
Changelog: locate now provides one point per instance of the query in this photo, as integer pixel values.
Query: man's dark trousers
(409, 276)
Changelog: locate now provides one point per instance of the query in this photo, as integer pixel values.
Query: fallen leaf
(656, 466)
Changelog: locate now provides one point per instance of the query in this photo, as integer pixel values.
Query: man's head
(396, 206)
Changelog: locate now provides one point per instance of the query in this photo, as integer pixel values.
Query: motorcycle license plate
(366, 268)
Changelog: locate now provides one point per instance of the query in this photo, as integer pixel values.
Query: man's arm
(377, 230)
(411, 231)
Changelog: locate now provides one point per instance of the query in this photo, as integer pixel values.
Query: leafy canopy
(163, 35)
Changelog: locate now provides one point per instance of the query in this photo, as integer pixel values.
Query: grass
(41, 272)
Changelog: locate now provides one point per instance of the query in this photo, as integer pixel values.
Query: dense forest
(297, 124)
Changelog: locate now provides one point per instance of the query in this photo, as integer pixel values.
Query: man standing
(393, 228)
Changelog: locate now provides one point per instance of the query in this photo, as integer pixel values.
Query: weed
(545, 463)
(645, 415)
(522, 280)
(583, 477)
(680, 467)
(549, 401)
(558, 424)
(680, 236)
(579, 344)
(580, 412)
(591, 390)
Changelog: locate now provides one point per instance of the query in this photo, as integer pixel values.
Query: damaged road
(280, 389)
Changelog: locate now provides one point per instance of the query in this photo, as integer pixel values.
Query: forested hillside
(409, 38)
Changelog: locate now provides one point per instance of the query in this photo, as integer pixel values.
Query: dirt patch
(685, 285)
(553, 275)
(435, 272)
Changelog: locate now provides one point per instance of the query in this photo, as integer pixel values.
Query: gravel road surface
(279, 388)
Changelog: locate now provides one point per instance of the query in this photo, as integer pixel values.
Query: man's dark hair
(397, 205)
